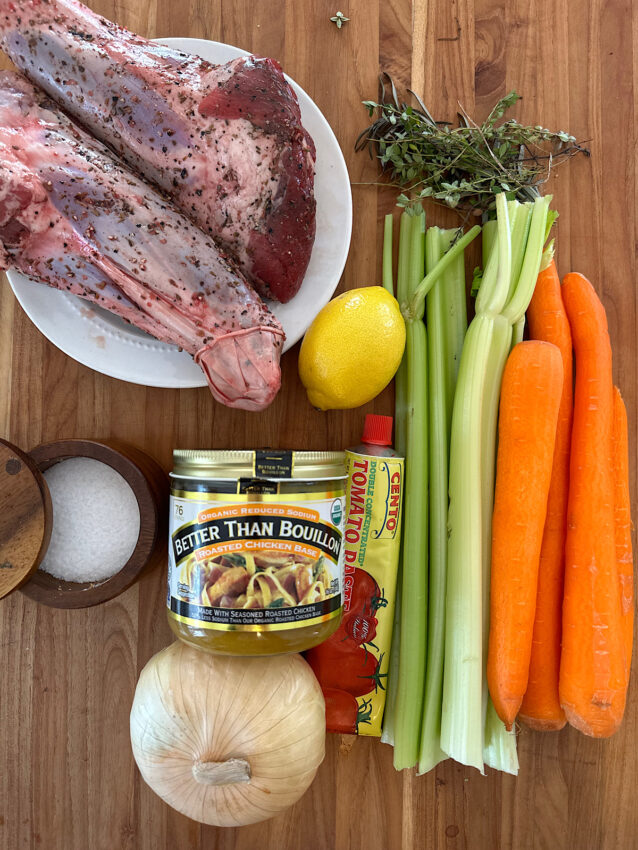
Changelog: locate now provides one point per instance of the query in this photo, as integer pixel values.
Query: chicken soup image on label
(256, 549)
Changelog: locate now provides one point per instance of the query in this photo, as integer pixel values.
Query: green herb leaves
(339, 19)
(462, 167)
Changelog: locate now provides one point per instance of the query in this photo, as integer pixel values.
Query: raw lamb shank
(225, 142)
(76, 218)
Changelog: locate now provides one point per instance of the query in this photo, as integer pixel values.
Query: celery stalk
(412, 637)
(416, 268)
(495, 286)
(412, 648)
(430, 753)
(388, 282)
(462, 727)
(499, 351)
(389, 713)
(501, 303)
(405, 245)
(409, 271)
(446, 323)
(519, 331)
(488, 238)
(520, 234)
(548, 253)
(455, 301)
(518, 302)
(400, 404)
(417, 300)
(500, 745)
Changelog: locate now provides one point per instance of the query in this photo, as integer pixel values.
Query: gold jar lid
(231, 464)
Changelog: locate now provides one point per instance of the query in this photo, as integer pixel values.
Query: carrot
(530, 399)
(622, 523)
(541, 708)
(592, 681)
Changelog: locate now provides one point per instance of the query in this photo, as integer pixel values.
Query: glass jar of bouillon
(255, 562)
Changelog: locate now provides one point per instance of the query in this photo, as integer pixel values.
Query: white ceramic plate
(104, 342)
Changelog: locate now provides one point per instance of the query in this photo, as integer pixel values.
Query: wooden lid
(26, 517)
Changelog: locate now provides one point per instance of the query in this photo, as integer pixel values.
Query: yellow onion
(227, 741)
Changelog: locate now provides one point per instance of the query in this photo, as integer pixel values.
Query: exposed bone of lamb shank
(225, 142)
(75, 217)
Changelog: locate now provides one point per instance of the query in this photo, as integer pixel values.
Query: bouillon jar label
(255, 560)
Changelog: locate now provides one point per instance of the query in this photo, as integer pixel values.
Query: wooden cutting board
(67, 777)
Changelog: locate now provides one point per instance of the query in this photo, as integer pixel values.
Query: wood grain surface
(67, 777)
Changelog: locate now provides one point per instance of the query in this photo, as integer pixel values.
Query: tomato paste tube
(352, 665)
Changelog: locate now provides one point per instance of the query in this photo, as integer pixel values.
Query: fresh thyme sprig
(462, 167)
(339, 19)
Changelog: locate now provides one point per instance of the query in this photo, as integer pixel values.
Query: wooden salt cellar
(26, 519)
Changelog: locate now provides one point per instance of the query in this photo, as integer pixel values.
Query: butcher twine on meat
(225, 142)
(75, 217)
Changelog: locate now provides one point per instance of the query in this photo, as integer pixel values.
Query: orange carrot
(622, 523)
(541, 708)
(530, 398)
(592, 682)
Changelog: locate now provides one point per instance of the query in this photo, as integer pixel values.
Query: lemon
(352, 349)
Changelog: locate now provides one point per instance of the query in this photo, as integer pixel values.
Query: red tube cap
(377, 430)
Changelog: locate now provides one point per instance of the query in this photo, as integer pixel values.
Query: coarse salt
(96, 520)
